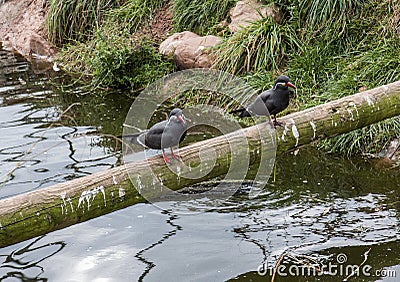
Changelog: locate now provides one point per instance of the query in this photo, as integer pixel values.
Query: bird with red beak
(274, 100)
(165, 134)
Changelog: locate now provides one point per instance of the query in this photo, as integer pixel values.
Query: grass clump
(394, 21)
(369, 141)
(116, 60)
(262, 45)
(364, 57)
(75, 19)
(119, 63)
(332, 15)
(133, 14)
(329, 49)
(378, 66)
(116, 55)
(200, 16)
(364, 70)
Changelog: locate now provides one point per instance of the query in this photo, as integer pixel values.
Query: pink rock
(168, 46)
(192, 52)
(249, 11)
(22, 26)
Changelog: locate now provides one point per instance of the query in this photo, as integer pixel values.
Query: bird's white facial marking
(280, 83)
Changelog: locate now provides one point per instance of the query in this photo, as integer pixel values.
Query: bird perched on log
(275, 100)
(167, 133)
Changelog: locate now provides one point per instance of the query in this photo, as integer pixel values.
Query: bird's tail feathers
(242, 112)
(237, 111)
(136, 138)
(141, 140)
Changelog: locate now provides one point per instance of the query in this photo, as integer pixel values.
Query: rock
(391, 150)
(389, 156)
(189, 49)
(22, 25)
(38, 46)
(249, 11)
(168, 46)
(191, 53)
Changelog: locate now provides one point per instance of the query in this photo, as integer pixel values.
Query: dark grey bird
(275, 100)
(165, 134)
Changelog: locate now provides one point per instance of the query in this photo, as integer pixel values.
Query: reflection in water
(141, 254)
(319, 205)
(24, 263)
(49, 137)
(329, 206)
(317, 209)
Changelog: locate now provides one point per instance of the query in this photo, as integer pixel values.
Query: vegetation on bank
(109, 52)
(76, 19)
(329, 48)
(200, 16)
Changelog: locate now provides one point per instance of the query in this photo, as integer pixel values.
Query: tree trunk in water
(35, 213)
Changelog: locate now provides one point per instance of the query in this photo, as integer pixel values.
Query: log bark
(38, 212)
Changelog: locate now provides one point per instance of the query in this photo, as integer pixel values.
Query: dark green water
(319, 210)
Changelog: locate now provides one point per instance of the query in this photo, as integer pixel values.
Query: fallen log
(38, 212)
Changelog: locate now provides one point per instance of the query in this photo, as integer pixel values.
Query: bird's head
(283, 81)
(177, 115)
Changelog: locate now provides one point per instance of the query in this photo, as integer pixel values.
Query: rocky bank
(22, 27)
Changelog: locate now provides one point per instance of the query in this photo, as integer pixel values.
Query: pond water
(321, 210)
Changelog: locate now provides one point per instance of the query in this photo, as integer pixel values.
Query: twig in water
(356, 270)
(306, 261)
(274, 172)
(278, 263)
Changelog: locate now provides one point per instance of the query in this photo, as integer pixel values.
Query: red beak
(290, 85)
(181, 118)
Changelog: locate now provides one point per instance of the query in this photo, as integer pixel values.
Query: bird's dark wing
(158, 128)
(259, 106)
(266, 95)
(240, 112)
(152, 137)
(279, 101)
(268, 98)
(183, 136)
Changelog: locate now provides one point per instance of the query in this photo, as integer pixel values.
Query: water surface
(319, 206)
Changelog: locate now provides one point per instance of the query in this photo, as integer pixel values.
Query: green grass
(394, 20)
(200, 16)
(369, 141)
(75, 19)
(133, 14)
(328, 48)
(328, 78)
(328, 14)
(120, 63)
(262, 45)
(112, 56)
(115, 60)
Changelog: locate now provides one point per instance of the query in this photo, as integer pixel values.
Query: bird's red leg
(277, 123)
(166, 159)
(173, 155)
